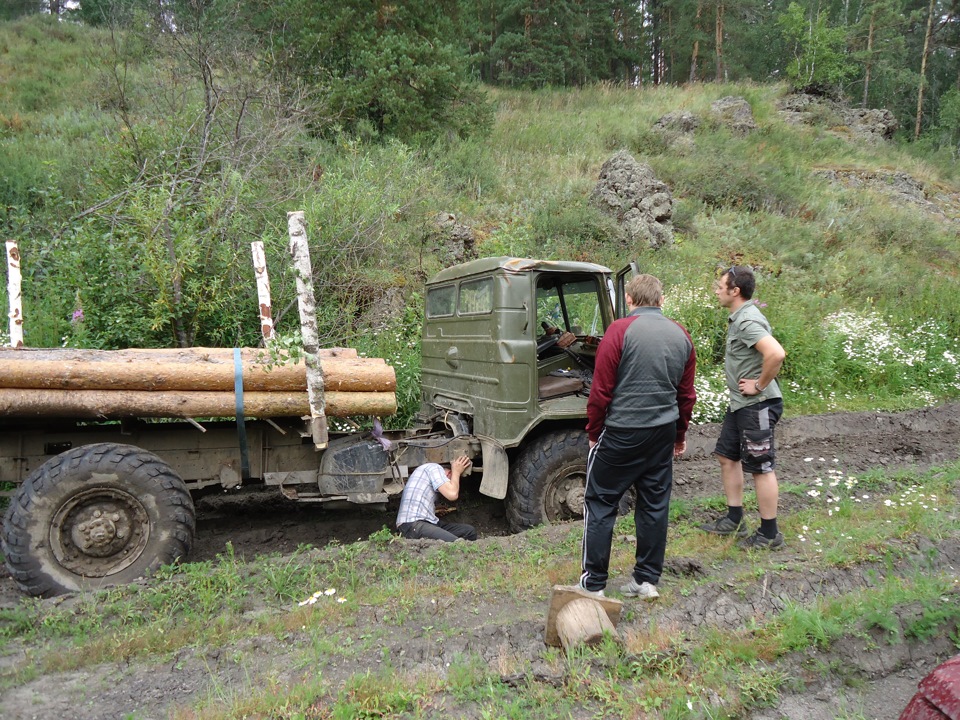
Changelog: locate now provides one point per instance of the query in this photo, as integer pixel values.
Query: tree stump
(578, 617)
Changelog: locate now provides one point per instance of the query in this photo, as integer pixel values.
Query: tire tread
(28, 570)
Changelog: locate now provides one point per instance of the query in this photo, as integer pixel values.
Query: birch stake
(308, 326)
(263, 289)
(14, 293)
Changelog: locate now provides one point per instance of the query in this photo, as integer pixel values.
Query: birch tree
(819, 59)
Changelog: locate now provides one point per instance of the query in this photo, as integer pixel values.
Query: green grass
(670, 671)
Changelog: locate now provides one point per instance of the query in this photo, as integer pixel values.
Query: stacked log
(194, 382)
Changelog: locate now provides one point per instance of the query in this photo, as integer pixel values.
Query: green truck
(508, 349)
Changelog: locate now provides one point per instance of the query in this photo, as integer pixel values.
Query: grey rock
(735, 112)
(642, 205)
(872, 125)
(683, 122)
(899, 186)
(458, 239)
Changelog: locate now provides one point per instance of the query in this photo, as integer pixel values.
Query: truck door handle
(453, 357)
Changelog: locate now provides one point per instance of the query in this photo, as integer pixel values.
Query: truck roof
(513, 265)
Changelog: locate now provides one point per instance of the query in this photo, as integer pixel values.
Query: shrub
(568, 223)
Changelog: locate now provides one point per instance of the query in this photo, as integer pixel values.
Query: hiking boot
(761, 542)
(726, 526)
(644, 590)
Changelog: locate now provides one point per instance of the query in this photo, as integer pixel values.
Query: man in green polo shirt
(752, 363)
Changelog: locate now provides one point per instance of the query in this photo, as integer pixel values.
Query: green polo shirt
(746, 326)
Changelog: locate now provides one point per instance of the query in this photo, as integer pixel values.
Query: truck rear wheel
(547, 480)
(94, 516)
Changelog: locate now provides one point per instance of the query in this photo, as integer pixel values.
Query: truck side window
(440, 301)
(476, 297)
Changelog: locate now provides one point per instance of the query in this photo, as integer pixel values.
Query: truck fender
(496, 469)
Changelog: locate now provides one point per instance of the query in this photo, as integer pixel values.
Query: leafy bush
(467, 166)
(569, 220)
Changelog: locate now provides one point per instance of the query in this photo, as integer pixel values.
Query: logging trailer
(106, 485)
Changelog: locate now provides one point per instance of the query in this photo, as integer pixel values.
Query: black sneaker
(726, 526)
(762, 542)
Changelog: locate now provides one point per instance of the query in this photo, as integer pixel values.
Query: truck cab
(508, 351)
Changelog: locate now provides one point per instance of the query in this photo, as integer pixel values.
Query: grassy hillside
(861, 287)
(134, 199)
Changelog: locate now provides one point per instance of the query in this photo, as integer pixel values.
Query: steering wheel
(548, 342)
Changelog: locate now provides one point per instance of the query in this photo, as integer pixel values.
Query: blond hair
(645, 291)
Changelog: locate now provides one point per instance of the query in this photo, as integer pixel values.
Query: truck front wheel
(547, 480)
(94, 516)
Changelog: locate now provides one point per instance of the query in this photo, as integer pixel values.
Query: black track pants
(621, 459)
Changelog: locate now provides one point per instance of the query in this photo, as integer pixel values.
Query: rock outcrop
(641, 204)
(735, 112)
(677, 129)
(457, 239)
(869, 124)
(901, 187)
(682, 122)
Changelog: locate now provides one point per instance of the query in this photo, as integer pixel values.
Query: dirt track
(886, 674)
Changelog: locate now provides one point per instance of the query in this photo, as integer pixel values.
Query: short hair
(742, 277)
(645, 291)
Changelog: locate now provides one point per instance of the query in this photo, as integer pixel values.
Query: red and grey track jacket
(644, 375)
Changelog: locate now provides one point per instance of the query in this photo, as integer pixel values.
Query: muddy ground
(870, 682)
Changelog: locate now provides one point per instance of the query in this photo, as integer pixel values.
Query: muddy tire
(547, 480)
(95, 516)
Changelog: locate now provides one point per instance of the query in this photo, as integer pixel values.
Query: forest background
(145, 143)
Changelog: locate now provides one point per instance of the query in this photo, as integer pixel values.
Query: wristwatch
(756, 385)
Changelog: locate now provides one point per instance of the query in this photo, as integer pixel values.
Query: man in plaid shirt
(417, 517)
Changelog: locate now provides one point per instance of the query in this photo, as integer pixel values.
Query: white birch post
(307, 303)
(263, 290)
(14, 293)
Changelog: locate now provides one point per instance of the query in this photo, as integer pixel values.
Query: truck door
(633, 269)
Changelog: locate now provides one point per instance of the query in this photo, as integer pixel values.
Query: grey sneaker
(644, 590)
(726, 526)
(761, 542)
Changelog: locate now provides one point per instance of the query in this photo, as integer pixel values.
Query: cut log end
(577, 617)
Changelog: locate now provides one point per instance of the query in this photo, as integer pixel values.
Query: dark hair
(742, 277)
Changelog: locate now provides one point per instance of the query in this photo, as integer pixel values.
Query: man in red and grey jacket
(639, 409)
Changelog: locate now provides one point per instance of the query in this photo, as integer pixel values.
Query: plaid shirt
(420, 494)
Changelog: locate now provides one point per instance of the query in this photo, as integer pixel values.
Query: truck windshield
(572, 305)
